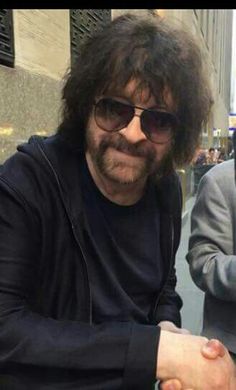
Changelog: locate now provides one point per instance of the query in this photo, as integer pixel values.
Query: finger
(185, 331)
(171, 384)
(180, 330)
(213, 349)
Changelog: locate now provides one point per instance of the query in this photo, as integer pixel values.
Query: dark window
(6, 38)
(83, 24)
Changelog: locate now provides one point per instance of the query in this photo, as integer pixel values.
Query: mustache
(119, 142)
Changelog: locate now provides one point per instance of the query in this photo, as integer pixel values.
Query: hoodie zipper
(72, 226)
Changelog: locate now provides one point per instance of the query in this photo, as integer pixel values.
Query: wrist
(166, 356)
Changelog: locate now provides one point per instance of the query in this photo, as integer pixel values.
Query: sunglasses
(113, 115)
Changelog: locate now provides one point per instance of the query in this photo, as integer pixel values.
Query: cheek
(93, 132)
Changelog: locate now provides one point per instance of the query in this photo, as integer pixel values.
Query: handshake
(188, 362)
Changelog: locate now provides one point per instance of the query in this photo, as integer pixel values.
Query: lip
(126, 153)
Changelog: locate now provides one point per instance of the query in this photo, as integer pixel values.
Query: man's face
(127, 156)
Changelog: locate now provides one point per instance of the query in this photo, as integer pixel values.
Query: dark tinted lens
(158, 125)
(112, 115)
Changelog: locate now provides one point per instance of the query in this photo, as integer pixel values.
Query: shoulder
(24, 171)
(217, 187)
(221, 175)
(222, 169)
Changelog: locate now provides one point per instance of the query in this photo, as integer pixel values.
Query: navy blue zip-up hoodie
(47, 336)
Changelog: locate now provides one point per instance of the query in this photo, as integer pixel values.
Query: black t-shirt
(124, 259)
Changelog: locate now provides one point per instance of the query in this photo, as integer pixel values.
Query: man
(90, 223)
(212, 252)
(211, 156)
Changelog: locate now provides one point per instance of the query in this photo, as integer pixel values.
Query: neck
(124, 194)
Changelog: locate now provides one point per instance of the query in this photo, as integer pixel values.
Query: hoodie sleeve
(170, 303)
(40, 348)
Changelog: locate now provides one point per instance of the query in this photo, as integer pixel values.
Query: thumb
(171, 384)
(213, 349)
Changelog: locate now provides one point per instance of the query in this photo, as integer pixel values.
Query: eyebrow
(131, 102)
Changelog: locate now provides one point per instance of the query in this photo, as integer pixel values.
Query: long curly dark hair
(159, 56)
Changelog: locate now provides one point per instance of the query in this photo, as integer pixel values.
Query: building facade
(30, 84)
(213, 30)
(37, 48)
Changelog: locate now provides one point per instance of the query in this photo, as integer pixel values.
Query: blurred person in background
(211, 157)
(222, 156)
(200, 157)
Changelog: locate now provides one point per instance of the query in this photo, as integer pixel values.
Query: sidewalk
(192, 296)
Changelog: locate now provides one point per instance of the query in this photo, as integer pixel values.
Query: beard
(125, 170)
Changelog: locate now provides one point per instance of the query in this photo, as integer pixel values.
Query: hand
(179, 356)
(171, 327)
(211, 350)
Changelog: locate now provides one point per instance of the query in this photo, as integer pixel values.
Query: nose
(133, 132)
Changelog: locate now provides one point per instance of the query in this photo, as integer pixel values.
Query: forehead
(139, 92)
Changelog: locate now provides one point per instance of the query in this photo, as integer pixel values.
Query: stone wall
(29, 104)
(30, 93)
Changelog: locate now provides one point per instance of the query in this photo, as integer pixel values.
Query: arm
(211, 255)
(122, 352)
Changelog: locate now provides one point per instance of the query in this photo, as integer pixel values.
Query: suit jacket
(212, 251)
